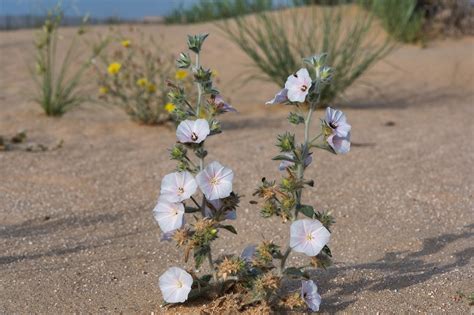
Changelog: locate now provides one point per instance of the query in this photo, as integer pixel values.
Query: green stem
(283, 260)
(307, 123)
(315, 138)
(211, 264)
(199, 88)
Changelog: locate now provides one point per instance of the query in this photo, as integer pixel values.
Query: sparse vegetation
(273, 41)
(400, 18)
(208, 10)
(134, 74)
(58, 84)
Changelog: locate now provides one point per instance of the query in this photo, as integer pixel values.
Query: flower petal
(175, 285)
(308, 236)
(190, 131)
(280, 97)
(170, 216)
(340, 145)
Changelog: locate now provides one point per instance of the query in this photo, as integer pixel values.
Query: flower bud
(286, 142)
(202, 75)
(178, 152)
(325, 74)
(269, 209)
(295, 119)
(316, 61)
(176, 96)
(195, 42)
(183, 61)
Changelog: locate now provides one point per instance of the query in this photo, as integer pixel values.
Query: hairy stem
(199, 88)
(307, 123)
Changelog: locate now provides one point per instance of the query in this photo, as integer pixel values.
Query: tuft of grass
(276, 42)
(400, 18)
(209, 10)
(58, 83)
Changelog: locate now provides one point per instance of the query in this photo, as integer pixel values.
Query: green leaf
(199, 255)
(327, 251)
(292, 271)
(295, 272)
(190, 209)
(229, 228)
(306, 210)
(205, 278)
(282, 157)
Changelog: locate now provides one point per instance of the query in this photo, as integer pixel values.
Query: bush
(400, 18)
(134, 76)
(58, 91)
(208, 10)
(274, 42)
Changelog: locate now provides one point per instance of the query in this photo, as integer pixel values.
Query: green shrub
(208, 10)
(277, 41)
(58, 88)
(132, 72)
(399, 18)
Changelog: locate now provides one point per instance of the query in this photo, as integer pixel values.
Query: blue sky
(96, 8)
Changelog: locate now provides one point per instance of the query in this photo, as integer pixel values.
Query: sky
(128, 9)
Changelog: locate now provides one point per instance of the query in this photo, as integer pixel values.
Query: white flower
(215, 181)
(336, 120)
(175, 285)
(193, 131)
(340, 145)
(229, 214)
(298, 85)
(337, 131)
(178, 186)
(169, 215)
(280, 97)
(308, 236)
(309, 292)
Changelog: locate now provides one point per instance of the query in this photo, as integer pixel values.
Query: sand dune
(77, 232)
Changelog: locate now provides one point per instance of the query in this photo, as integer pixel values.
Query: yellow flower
(114, 68)
(169, 107)
(142, 82)
(181, 74)
(103, 90)
(214, 73)
(126, 43)
(151, 88)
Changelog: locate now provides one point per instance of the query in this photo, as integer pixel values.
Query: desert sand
(77, 232)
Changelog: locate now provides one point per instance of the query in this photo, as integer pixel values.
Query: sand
(77, 232)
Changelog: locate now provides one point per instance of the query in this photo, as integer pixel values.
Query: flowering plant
(309, 235)
(253, 276)
(133, 75)
(195, 119)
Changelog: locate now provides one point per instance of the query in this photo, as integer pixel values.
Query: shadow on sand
(400, 270)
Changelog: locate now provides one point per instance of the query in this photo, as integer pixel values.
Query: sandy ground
(77, 232)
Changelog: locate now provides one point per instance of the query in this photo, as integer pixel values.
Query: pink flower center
(303, 88)
(194, 136)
